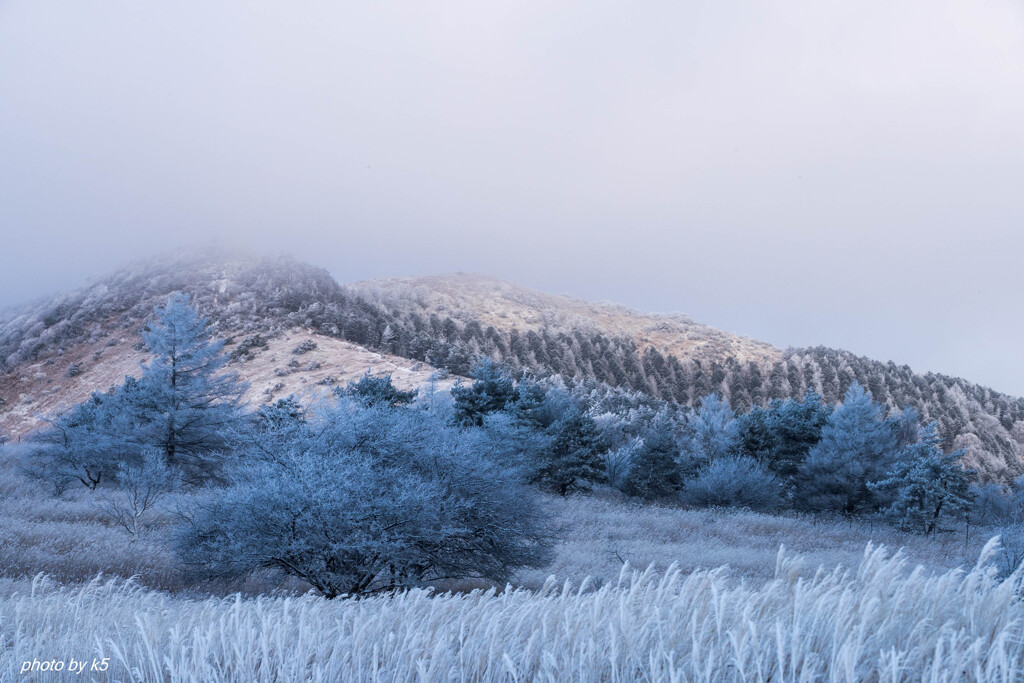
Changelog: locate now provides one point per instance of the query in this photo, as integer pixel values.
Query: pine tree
(654, 471)
(181, 407)
(857, 447)
(536, 406)
(757, 437)
(491, 391)
(574, 458)
(183, 401)
(927, 484)
(713, 433)
(797, 426)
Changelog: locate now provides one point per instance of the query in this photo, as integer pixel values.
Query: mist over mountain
(292, 328)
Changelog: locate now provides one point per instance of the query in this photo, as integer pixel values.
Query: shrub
(372, 391)
(733, 481)
(88, 443)
(998, 505)
(364, 500)
(305, 347)
(993, 504)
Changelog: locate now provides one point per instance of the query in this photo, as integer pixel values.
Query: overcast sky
(814, 172)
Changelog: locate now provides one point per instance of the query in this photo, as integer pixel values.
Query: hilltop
(54, 353)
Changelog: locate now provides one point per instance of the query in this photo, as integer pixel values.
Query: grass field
(717, 602)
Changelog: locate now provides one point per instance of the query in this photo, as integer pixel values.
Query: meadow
(635, 592)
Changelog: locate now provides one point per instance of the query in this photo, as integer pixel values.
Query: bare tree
(140, 487)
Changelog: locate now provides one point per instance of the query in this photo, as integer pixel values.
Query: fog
(839, 173)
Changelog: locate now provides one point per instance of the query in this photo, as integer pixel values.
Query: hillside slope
(677, 359)
(54, 352)
(468, 297)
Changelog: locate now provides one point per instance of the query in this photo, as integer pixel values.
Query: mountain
(54, 352)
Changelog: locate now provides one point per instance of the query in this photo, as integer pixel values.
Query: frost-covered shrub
(617, 462)
(88, 443)
(244, 350)
(305, 347)
(733, 481)
(998, 505)
(993, 504)
(373, 390)
(360, 500)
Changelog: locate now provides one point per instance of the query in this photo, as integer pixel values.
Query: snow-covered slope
(490, 301)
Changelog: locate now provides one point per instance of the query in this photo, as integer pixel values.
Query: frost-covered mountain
(291, 328)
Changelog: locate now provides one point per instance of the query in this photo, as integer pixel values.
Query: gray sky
(842, 173)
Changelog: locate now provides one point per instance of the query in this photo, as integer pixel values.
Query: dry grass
(70, 539)
(882, 622)
(599, 534)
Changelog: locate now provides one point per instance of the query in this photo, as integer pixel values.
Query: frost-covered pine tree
(857, 447)
(491, 391)
(927, 484)
(185, 401)
(654, 469)
(574, 458)
(781, 435)
(713, 433)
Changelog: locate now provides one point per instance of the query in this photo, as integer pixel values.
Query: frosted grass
(884, 621)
